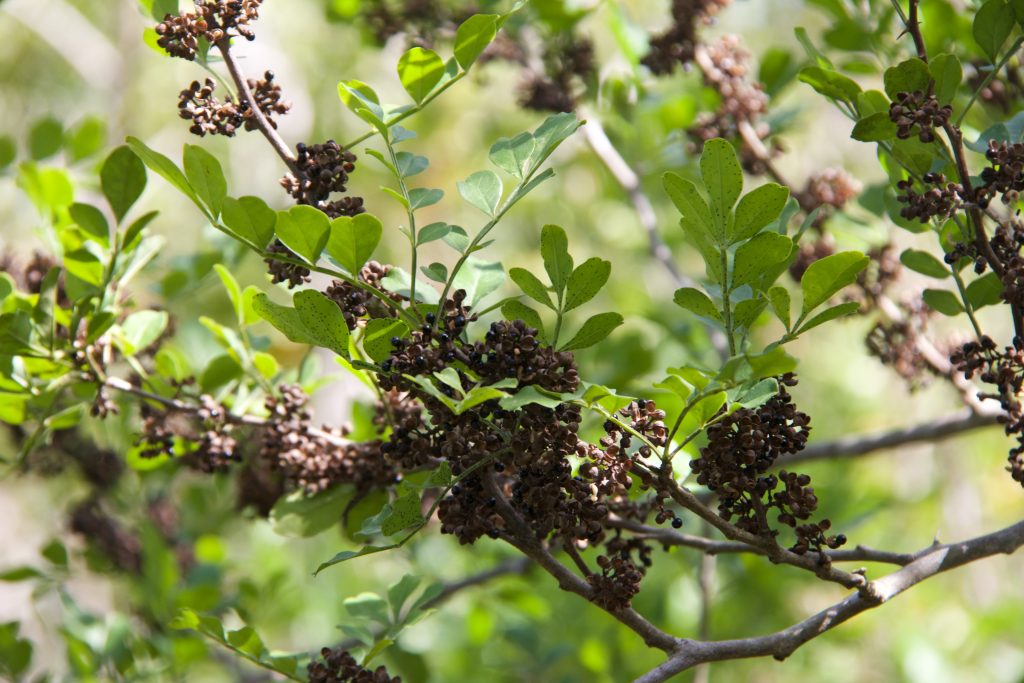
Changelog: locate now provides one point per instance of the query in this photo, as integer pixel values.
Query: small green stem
(411, 214)
(988, 79)
(415, 109)
(345, 277)
(726, 305)
(967, 304)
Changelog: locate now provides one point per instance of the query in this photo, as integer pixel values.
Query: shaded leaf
(586, 281)
(697, 302)
(300, 516)
(554, 248)
(924, 263)
(943, 301)
(531, 286)
(826, 276)
(832, 313)
(123, 178)
(907, 76)
(985, 291)
(352, 240)
(323, 319)
(758, 256)
(420, 70)
(483, 190)
(720, 170)
(757, 209)
(595, 329)
(473, 36)
(513, 309)
(250, 218)
(513, 155)
(303, 229)
(206, 177)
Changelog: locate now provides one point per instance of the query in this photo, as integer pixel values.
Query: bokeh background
(81, 70)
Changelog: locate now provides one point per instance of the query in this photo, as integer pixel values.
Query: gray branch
(935, 560)
(931, 431)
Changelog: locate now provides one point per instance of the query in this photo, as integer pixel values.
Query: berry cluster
(831, 188)
(1004, 370)
(320, 171)
(293, 274)
(122, 548)
(206, 431)
(356, 303)
(941, 200)
(209, 115)
(895, 344)
(725, 70)
(338, 666)
(617, 584)
(675, 47)
(213, 20)
(918, 111)
(524, 455)
(316, 460)
(742, 447)
(565, 59)
(1005, 175)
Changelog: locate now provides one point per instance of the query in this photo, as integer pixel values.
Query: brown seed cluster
(895, 344)
(566, 59)
(338, 666)
(675, 47)
(206, 434)
(423, 22)
(316, 460)
(742, 448)
(293, 274)
(107, 535)
(617, 584)
(356, 303)
(829, 189)
(1004, 371)
(522, 455)
(213, 20)
(323, 170)
(209, 115)
(940, 199)
(725, 68)
(918, 112)
(1005, 174)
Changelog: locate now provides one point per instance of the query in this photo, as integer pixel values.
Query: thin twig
(935, 560)
(519, 534)
(628, 179)
(709, 546)
(262, 123)
(192, 409)
(769, 546)
(863, 444)
(518, 565)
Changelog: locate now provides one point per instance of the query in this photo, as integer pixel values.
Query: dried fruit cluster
(675, 47)
(316, 460)
(742, 447)
(321, 170)
(522, 455)
(338, 666)
(1004, 371)
(209, 115)
(920, 112)
(940, 199)
(213, 20)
